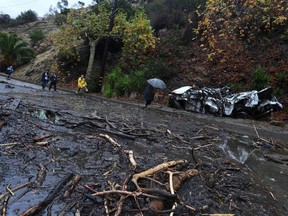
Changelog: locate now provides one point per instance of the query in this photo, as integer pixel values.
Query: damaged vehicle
(221, 102)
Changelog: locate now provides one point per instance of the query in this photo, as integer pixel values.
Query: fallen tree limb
(37, 183)
(67, 208)
(37, 209)
(171, 190)
(41, 137)
(121, 201)
(110, 140)
(154, 170)
(4, 209)
(129, 193)
(190, 148)
(73, 184)
(9, 144)
(15, 189)
(118, 134)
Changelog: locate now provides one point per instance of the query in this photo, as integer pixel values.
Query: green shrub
(282, 79)
(235, 87)
(281, 84)
(123, 86)
(107, 90)
(137, 80)
(260, 79)
(60, 19)
(113, 77)
(36, 35)
(117, 83)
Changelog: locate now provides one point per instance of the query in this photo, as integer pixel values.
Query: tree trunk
(103, 64)
(89, 71)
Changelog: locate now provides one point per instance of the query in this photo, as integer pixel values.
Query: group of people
(149, 92)
(46, 78)
(82, 84)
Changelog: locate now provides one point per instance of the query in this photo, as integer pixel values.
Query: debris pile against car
(221, 102)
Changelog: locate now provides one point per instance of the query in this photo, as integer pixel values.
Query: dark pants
(44, 83)
(52, 84)
(9, 74)
(79, 89)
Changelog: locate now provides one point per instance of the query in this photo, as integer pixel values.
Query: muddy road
(67, 154)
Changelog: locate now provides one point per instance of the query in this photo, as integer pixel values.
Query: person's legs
(50, 86)
(148, 102)
(45, 84)
(54, 86)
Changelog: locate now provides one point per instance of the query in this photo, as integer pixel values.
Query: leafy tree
(231, 20)
(82, 25)
(138, 40)
(13, 50)
(5, 20)
(26, 17)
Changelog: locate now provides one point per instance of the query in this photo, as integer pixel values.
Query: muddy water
(271, 175)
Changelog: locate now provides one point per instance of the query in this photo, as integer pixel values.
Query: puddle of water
(273, 176)
(46, 115)
(238, 149)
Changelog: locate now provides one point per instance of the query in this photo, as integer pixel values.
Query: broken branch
(154, 170)
(131, 158)
(110, 140)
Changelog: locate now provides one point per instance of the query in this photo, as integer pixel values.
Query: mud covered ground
(67, 154)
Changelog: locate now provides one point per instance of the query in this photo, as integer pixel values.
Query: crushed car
(221, 102)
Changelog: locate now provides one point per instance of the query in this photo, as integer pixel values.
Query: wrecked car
(221, 102)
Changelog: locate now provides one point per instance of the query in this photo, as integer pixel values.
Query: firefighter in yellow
(82, 84)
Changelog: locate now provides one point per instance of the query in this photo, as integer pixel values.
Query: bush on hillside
(36, 35)
(260, 79)
(26, 17)
(5, 20)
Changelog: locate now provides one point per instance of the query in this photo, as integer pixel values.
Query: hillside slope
(45, 52)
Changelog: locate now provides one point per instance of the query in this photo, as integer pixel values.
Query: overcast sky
(41, 7)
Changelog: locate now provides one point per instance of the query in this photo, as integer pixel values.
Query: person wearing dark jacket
(45, 79)
(10, 70)
(149, 94)
(53, 81)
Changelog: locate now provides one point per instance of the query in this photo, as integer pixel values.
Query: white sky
(41, 7)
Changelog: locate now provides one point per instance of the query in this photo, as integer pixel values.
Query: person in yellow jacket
(82, 84)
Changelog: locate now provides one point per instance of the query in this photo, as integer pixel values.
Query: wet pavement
(247, 158)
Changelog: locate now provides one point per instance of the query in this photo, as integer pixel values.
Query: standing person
(53, 81)
(45, 79)
(10, 70)
(82, 84)
(149, 94)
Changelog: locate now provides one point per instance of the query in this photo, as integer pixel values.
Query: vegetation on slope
(212, 43)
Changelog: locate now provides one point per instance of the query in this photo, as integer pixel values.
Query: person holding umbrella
(149, 92)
